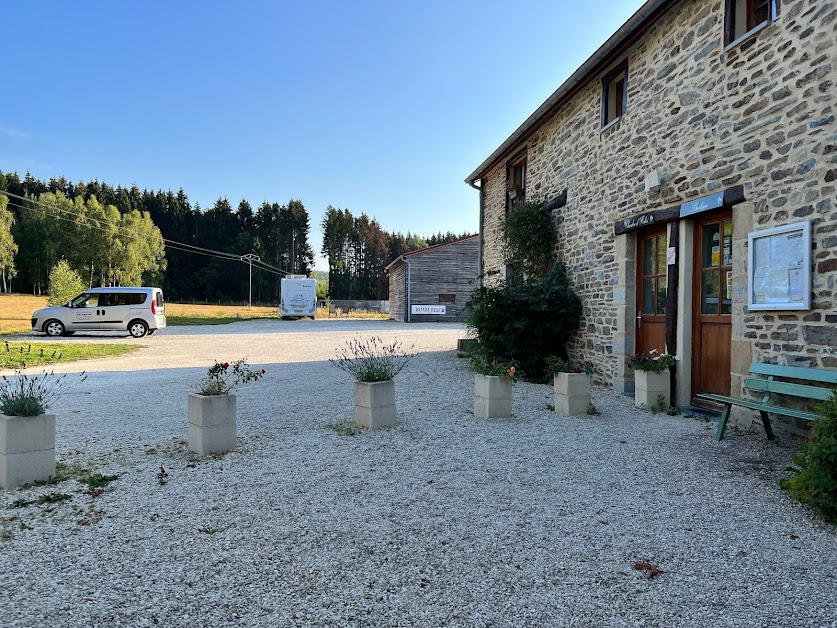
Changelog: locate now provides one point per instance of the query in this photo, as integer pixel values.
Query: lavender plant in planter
(27, 432)
(374, 365)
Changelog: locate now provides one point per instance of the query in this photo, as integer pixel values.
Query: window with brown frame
(743, 16)
(614, 94)
(447, 298)
(516, 180)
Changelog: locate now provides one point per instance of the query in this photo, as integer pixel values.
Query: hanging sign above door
(703, 204)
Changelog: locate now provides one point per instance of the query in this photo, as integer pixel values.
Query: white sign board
(780, 268)
(428, 309)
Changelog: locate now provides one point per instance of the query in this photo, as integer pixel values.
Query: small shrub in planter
(492, 386)
(212, 408)
(374, 365)
(652, 379)
(572, 385)
(815, 481)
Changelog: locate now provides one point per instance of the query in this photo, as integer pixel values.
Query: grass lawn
(12, 354)
(191, 314)
(16, 312)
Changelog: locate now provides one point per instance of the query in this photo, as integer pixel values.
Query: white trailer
(299, 297)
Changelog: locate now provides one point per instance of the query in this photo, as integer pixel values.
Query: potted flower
(652, 379)
(515, 190)
(212, 407)
(27, 432)
(374, 366)
(571, 385)
(493, 382)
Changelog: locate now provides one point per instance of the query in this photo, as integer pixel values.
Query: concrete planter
(650, 386)
(572, 393)
(375, 404)
(27, 449)
(211, 423)
(492, 396)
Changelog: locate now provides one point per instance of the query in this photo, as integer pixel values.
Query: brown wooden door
(712, 320)
(651, 290)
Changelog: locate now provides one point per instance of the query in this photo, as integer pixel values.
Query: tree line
(123, 236)
(359, 250)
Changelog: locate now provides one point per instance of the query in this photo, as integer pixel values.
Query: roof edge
(637, 24)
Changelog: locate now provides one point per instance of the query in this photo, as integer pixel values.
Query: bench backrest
(770, 385)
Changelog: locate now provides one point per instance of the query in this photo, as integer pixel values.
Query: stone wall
(759, 115)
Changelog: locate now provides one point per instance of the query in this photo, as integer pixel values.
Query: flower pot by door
(375, 404)
(650, 386)
(492, 396)
(572, 393)
(211, 423)
(27, 449)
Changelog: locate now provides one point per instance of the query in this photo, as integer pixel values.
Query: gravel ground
(444, 520)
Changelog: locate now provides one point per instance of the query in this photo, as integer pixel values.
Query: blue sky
(378, 107)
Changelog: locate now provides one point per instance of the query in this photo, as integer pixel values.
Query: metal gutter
(631, 30)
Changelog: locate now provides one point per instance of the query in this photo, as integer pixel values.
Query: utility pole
(250, 258)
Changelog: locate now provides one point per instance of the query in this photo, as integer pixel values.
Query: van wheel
(137, 329)
(54, 328)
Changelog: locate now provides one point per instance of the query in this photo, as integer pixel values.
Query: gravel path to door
(444, 520)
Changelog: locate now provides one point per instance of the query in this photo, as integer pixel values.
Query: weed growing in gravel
(46, 498)
(550, 407)
(659, 406)
(673, 411)
(370, 360)
(97, 481)
(592, 410)
(343, 429)
(162, 476)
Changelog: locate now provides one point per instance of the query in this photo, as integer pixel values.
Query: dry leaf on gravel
(649, 569)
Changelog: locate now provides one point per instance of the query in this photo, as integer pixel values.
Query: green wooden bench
(772, 385)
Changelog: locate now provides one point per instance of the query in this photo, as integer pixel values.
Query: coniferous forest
(127, 236)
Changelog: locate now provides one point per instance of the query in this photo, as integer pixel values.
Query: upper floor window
(614, 94)
(516, 181)
(744, 16)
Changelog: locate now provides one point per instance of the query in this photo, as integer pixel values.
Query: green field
(15, 354)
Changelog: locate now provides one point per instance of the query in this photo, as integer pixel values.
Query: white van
(298, 297)
(139, 311)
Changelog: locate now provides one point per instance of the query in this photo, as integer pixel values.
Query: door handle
(639, 320)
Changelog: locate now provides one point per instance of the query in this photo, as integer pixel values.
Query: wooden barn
(435, 283)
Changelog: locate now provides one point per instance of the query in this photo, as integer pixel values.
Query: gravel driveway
(444, 520)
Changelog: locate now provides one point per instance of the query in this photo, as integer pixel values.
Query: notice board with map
(780, 268)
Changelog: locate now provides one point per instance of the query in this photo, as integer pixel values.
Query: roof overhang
(627, 34)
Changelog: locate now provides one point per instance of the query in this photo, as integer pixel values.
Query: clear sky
(378, 107)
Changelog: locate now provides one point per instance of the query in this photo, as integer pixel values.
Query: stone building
(435, 283)
(697, 123)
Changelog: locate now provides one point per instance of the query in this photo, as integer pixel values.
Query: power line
(173, 244)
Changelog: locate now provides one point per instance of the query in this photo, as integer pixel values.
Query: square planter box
(211, 423)
(27, 449)
(572, 393)
(649, 386)
(375, 404)
(492, 396)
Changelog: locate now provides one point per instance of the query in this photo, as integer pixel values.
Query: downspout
(482, 204)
